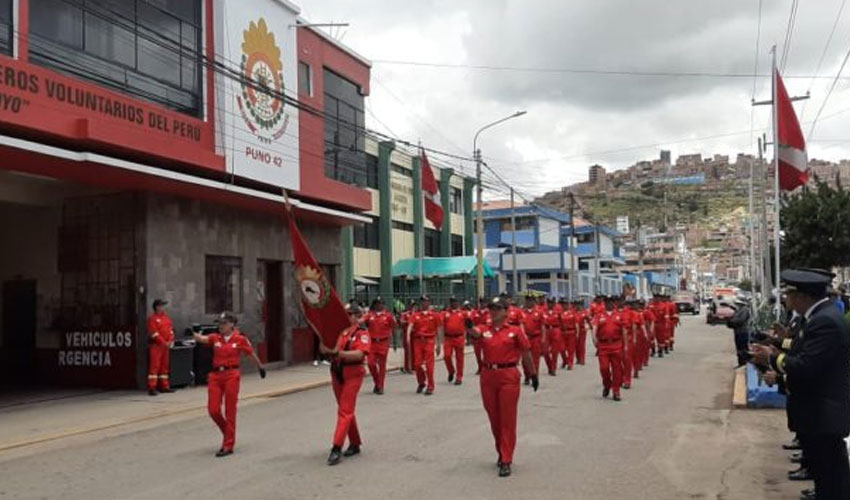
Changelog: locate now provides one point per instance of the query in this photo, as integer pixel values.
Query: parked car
(686, 302)
(719, 312)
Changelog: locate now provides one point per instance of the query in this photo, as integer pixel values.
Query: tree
(816, 222)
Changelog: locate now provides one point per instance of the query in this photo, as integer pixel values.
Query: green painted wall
(418, 215)
(468, 217)
(445, 200)
(385, 224)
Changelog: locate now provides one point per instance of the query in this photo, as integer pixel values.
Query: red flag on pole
(321, 305)
(793, 161)
(431, 192)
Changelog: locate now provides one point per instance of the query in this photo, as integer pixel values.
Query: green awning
(441, 267)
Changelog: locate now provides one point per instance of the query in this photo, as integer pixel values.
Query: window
(149, 49)
(372, 171)
(522, 224)
(366, 235)
(538, 276)
(584, 238)
(456, 201)
(345, 159)
(223, 284)
(402, 226)
(6, 26)
(305, 79)
(432, 243)
(403, 171)
(457, 245)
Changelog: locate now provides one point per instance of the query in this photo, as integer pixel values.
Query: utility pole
(515, 275)
(764, 261)
(598, 260)
(641, 286)
(752, 235)
(479, 220)
(572, 240)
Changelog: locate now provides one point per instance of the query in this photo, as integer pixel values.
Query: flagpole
(778, 305)
(422, 234)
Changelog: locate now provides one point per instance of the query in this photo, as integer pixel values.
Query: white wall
(550, 232)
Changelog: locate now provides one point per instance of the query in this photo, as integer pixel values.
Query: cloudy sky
(531, 49)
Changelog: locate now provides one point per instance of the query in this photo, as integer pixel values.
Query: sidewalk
(46, 416)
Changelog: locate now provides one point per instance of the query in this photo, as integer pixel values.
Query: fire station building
(144, 147)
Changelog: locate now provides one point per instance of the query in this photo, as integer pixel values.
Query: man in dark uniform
(818, 377)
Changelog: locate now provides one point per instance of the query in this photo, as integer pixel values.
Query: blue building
(544, 260)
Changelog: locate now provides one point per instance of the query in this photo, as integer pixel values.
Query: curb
(739, 394)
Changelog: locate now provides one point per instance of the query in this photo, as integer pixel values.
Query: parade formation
(549, 332)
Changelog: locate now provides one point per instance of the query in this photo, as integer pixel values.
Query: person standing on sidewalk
(161, 340)
(424, 332)
(609, 334)
(223, 381)
(381, 324)
(347, 373)
(454, 327)
(816, 375)
(503, 346)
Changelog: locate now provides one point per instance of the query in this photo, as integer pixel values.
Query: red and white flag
(321, 305)
(793, 162)
(431, 192)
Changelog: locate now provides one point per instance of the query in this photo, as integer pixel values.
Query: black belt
(224, 368)
(609, 341)
(385, 339)
(499, 366)
(454, 335)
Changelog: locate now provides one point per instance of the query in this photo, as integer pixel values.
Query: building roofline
(336, 43)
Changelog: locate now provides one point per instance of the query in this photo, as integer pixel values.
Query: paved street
(672, 437)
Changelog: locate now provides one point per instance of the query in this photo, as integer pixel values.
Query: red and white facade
(113, 199)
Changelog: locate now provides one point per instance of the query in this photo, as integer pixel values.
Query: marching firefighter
(454, 334)
(404, 319)
(161, 338)
(424, 330)
(570, 324)
(609, 337)
(223, 381)
(583, 318)
(552, 322)
(480, 317)
(503, 346)
(347, 373)
(381, 324)
(532, 324)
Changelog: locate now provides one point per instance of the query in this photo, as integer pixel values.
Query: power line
(755, 71)
(789, 32)
(823, 54)
(580, 71)
(829, 93)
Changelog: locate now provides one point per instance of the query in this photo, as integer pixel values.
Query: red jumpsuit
(405, 341)
(610, 333)
(581, 343)
(514, 316)
(480, 317)
(161, 333)
(347, 378)
(532, 321)
(570, 323)
(552, 321)
(662, 326)
(649, 320)
(223, 382)
(454, 341)
(628, 317)
(502, 348)
(639, 343)
(423, 338)
(674, 322)
(381, 326)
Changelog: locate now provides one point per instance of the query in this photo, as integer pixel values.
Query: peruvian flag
(322, 308)
(433, 208)
(793, 162)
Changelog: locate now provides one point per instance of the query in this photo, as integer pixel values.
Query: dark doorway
(19, 323)
(271, 276)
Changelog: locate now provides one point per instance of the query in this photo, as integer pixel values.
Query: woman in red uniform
(223, 381)
(502, 347)
(347, 372)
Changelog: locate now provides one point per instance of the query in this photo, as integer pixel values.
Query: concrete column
(445, 199)
(418, 209)
(347, 285)
(385, 225)
(468, 213)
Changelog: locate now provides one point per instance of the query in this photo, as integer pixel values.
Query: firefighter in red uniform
(627, 317)
(503, 346)
(347, 373)
(649, 327)
(609, 334)
(404, 320)
(583, 316)
(424, 329)
(161, 332)
(514, 313)
(454, 334)
(639, 343)
(532, 324)
(662, 322)
(674, 321)
(554, 334)
(381, 324)
(228, 345)
(570, 325)
(480, 317)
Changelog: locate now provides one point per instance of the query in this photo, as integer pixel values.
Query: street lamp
(480, 217)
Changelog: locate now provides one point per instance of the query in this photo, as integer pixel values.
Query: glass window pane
(154, 60)
(190, 59)
(187, 10)
(109, 41)
(58, 21)
(158, 24)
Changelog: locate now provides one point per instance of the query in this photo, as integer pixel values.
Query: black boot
(351, 451)
(420, 388)
(504, 470)
(605, 392)
(451, 377)
(335, 456)
(801, 474)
